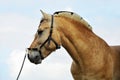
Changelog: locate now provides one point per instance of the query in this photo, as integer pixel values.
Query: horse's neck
(74, 39)
(82, 44)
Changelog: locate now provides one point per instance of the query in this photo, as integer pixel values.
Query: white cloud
(48, 70)
(16, 29)
(13, 22)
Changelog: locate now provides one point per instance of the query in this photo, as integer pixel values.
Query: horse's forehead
(44, 24)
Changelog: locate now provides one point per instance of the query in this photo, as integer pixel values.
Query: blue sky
(19, 20)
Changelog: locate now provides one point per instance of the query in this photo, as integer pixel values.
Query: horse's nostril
(36, 57)
(31, 60)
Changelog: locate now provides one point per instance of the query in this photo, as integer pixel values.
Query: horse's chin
(38, 62)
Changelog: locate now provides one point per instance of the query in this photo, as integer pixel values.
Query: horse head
(47, 39)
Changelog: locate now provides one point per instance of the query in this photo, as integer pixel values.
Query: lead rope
(21, 67)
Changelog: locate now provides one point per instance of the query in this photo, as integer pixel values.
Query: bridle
(39, 50)
(49, 39)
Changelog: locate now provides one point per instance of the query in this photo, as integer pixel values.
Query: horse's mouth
(35, 60)
(38, 62)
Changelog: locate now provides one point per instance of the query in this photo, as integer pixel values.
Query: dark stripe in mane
(64, 12)
(73, 16)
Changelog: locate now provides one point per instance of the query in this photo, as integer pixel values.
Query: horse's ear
(45, 15)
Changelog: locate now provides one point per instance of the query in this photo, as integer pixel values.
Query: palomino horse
(93, 58)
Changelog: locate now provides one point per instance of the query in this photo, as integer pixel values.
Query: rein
(21, 67)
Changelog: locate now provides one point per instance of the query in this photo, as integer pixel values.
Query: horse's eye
(39, 32)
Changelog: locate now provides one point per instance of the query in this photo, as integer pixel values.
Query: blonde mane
(73, 16)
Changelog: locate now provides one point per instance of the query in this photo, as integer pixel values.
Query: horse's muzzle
(34, 56)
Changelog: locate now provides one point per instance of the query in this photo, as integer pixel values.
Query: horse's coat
(93, 58)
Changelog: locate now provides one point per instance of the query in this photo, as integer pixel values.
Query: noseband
(47, 40)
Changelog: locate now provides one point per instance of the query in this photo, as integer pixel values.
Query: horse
(93, 58)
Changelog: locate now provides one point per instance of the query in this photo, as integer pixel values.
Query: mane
(73, 16)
